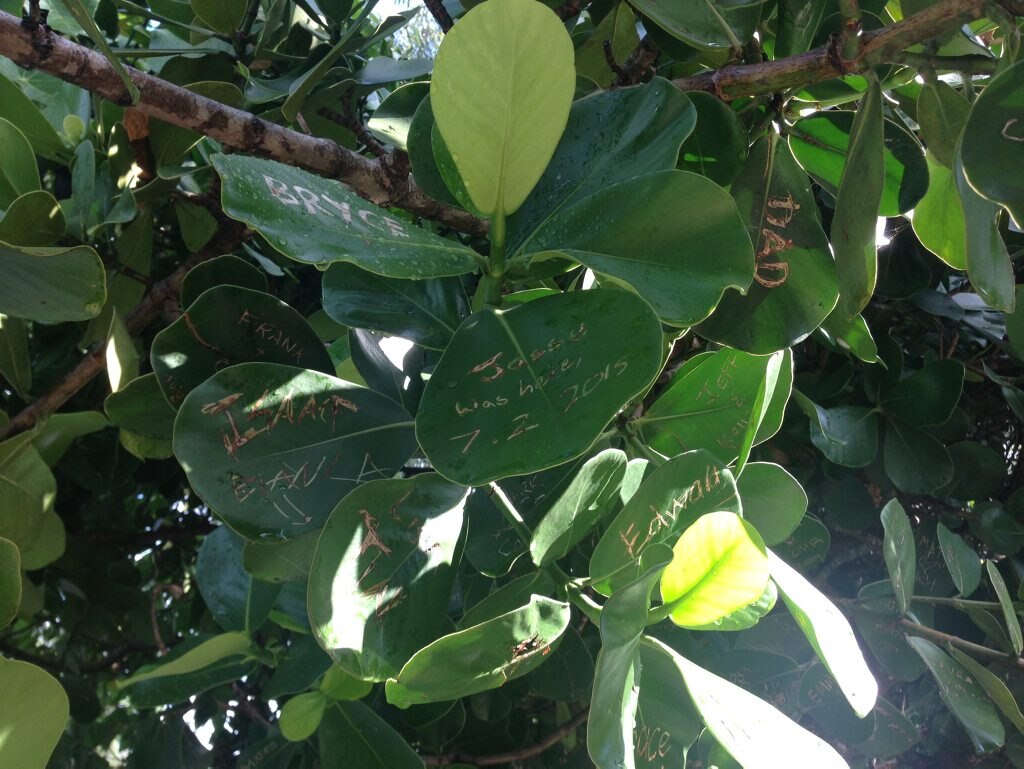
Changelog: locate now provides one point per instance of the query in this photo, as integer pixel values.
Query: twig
(440, 14)
(240, 130)
(639, 63)
(609, 57)
(356, 126)
(976, 649)
(515, 755)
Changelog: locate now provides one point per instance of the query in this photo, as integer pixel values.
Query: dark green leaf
(352, 735)
(941, 112)
(915, 462)
(10, 581)
(900, 553)
(51, 284)
(1006, 603)
(773, 500)
(704, 24)
(926, 397)
(717, 148)
(236, 600)
(222, 270)
(963, 563)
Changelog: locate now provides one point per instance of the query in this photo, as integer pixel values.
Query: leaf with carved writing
(708, 403)
(319, 221)
(795, 285)
(580, 507)
(994, 685)
(614, 701)
(963, 695)
(532, 387)
(273, 448)
(753, 732)
(426, 312)
(228, 325)
(481, 657)
(667, 502)
(830, 634)
(900, 553)
(383, 571)
(992, 147)
(656, 245)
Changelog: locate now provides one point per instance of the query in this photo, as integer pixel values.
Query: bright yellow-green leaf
(503, 83)
(32, 717)
(719, 567)
(208, 652)
(301, 716)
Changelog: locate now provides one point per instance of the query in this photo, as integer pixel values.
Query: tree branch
(515, 755)
(824, 63)
(440, 14)
(234, 128)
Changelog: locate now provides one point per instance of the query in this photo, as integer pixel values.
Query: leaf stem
(956, 603)
(515, 520)
(976, 649)
(644, 451)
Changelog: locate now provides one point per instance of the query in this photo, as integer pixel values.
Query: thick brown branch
(235, 128)
(226, 240)
(878, 47)
(515, 755)
(440, 14)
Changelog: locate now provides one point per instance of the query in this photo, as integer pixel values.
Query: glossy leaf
(939, 217)
(359, 737)
(228, 325)
(857, 204)
(846, 435)
(642, 129)
(774, 502)
(717, 148)
(481, 657)
(617, 27)
(900, 553)
(829, 633)
(963, 695)
(219, 271)
(719, 566)
(914, 460)
(18, 172)
(234, 598)
(34, 716)
(523, 389)
(798, 23)
(614, 700)
(383, 571)
(641, 245)
(993, 685)
(426, 312)
(753, 732)
(287, 561)
(992, 148)
(51, 284)
(300, 716)
(963, 563)
(27, 491)
(942, 112)
(580, 507)
(392, 120)
(671, 499)
(272, 448)
(319, 221)
(206, 653)
(1006, 604)
(795, 286)
(10, 581)
(926, 397)
(34, 219)
(704, 24)
(224, 16)
(502, 86)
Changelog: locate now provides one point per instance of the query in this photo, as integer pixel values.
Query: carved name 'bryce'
(324, 205)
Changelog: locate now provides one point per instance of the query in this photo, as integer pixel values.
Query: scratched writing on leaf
(324, 205)
(771, 271)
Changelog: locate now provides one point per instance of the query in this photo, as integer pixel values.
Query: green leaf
(993, 685)
(708, 404)
(298, 669)
(481, 657)
(19, 174)
(773, 500)
(988, 262)
(580, 507)
(27, 491)
(857, 205)
(205, 654)
(941, 112)
(752, 731)
(963, 563)
(383, 572)
(56, 436)
(963, 695)
(426, 312)
(15, 364)
(939, 217)
(224, 16)
(926, 397)
(666, 721)
(523, 389)
(17, 108)
(640, 246)
(992, 147)
(717, 148)
(287, 561)
(343, 686)
(846, 435)
(914, 461)
(10, 584)
(899, 552)
(196, 225)
(509, 596)
(703, 23)
(797, 25)
(391, 122)
(319, 221)
(829, 633)
(234, 598)
(34, 715)
(51, 284)
(823, 141)
(618, 27)
(300, 716)
(501, 91)
(719, 566)
(228, 325)
(850, 334)
(671, 499)
(795, 286)
(642, 129)
(49, 545)
(121, 355)
(272, 448)
(84, 17)
(360, 738)
(1006, 603)
(614, 700)
(140, 408)
(778, 376)
(34, 219)
(222, 270)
